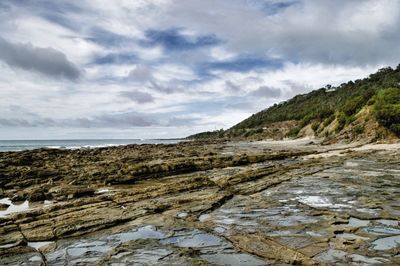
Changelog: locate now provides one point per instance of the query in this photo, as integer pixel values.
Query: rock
(37, 193)
(20, 255)
(10, 235)
(267, 248)
(19, 196)
(71, 191)
(3, 206)
(275, 202)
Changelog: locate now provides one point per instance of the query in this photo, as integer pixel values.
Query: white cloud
(313, 42)
(371, 17)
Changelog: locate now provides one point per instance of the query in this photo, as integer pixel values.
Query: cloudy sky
(169, 68)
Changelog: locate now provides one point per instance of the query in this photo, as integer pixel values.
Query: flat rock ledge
(202, 203)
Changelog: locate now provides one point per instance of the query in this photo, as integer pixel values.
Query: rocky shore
(202, 203)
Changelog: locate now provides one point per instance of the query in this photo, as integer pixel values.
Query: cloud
(173, 39)
(138, 96)
(47, 61)
(123, 120)
(241, 64)
(108, 38)
(181, 121)
(271, 7)
(112, 120)
(142, 74)
(177, 67)
(32, 120)
(231, 86)
(268, 92)
(57, 12)
(331, 32)
(240, 106)
(116, 58)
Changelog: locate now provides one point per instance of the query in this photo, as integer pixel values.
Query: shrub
(395, 128)
(293, 132)
(387, 109)
(341, 119)
(359, 129)
(249, 133)
(306, 120)
(324, 113)
(315, 126)
(371, 101)
(329, 120)
(353, 105)
(350, 119)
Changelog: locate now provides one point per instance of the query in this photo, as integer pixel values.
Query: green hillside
(333, 107)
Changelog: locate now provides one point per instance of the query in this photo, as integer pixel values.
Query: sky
(169, 68)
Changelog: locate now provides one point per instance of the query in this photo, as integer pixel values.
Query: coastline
(73, 144)
(256, 202)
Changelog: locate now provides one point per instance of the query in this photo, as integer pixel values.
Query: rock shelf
(202, 203)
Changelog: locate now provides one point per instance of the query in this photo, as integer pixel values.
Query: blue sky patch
(116, 58)
(107, 38)
(241, 64)
(271, 7)
(172, 39)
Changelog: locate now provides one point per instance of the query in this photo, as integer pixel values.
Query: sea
(20, 145)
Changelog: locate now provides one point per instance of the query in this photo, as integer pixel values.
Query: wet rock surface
(201, 203)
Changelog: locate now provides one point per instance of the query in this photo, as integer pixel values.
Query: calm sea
(19, 145)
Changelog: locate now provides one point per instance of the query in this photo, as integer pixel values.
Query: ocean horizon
(71, 144)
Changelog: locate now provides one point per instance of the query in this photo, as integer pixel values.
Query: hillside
(364, 108)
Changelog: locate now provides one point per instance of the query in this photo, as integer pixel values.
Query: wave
(20, 145)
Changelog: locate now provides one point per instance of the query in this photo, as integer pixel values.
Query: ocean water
(19, 145)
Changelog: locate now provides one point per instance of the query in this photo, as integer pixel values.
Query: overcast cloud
(164, 68)
(47, 61)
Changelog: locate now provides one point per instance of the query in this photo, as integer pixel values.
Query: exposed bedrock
(201, 203)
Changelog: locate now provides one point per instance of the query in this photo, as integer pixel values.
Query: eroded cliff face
(202, 203)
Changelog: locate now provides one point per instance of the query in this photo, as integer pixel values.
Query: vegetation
(341, 121)
(359, 129)
(321, 107)
(294, 131)
(208, 134)
(315, 126)
(387, 109)
(329, 120)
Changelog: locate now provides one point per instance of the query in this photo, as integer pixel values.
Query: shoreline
(74, 144)
(218, 199)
